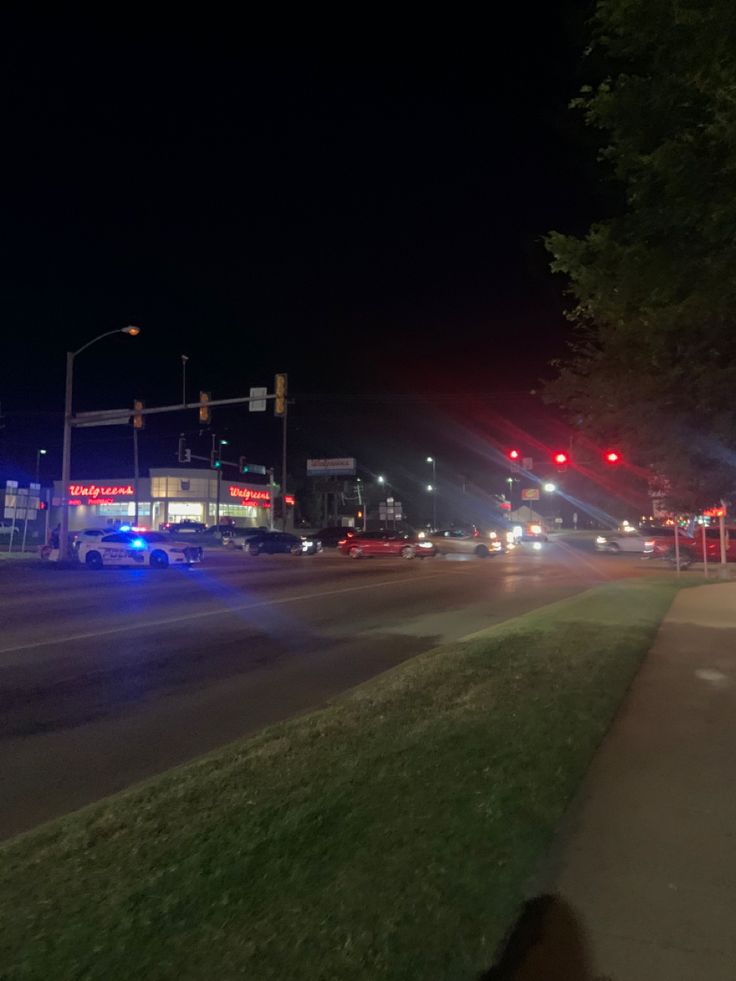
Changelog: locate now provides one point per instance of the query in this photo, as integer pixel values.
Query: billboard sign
(333, 467)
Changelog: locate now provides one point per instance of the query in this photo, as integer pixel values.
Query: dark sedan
(331, 537)
(276, 542)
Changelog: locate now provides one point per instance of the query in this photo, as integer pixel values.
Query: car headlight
(425, 545)
(492, 534)
(537, 546)
(600, 540)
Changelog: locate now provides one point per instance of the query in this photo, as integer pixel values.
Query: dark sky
(367, 220)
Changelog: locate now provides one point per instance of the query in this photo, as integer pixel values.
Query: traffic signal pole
(283, 467)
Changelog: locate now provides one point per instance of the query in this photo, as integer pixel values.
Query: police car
(130, 548)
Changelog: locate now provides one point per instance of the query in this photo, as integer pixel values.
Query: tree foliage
(653, 363)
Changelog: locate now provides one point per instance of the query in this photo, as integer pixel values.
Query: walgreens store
(165, 496)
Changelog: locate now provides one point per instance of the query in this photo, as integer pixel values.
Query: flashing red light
(561, 458)
(513, 454)
(613, 456)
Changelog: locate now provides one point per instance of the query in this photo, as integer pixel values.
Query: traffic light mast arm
(101, 415)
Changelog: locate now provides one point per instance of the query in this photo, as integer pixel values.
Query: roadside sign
(334, 467)
(258, 400)
(390, 510)
(530, 494)
(527, 463)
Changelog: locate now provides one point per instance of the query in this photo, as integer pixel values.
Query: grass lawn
(387, 836)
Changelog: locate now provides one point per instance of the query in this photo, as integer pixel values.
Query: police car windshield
(152, 536)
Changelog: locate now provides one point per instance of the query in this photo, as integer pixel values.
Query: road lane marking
(167, 621)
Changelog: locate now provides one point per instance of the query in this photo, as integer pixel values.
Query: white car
(130, 548)
(616, 542)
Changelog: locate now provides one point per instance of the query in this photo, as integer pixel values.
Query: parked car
(367, 544)
(464, 541)
(274, 542)
(331, 537)
(184, 527)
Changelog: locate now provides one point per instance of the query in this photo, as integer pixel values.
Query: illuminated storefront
(166, 496)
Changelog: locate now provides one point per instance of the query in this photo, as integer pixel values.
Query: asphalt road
(107, 677)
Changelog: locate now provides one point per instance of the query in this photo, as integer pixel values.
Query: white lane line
(126, 628)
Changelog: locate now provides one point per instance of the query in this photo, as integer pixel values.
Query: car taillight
(343, 541)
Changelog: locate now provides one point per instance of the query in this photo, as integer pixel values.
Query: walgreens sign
(94, 492)
(249, 495)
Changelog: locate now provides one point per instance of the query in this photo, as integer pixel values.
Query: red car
(659, 543)
(713, 544)
(396, 543)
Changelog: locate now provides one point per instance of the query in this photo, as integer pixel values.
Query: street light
(381, 479)
(39, 454)
(431, 487)
(66, 453)
(549, 487)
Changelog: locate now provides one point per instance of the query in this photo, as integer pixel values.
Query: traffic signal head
(279, 387)
(561, 459)
(139, 421)
(205, 413)
(243, 465)
(613, 456)
(513, 454)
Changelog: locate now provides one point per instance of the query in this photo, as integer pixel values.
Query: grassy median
(387, 836)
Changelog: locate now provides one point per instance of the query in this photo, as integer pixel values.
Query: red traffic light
(513, 454)
(561, 458)
(613, 456)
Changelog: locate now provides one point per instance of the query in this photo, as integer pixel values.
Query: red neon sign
(94, 492)
(76, 502)
(249, 494)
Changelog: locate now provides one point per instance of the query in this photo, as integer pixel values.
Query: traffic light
(185, 455)
(243, 465)
(205, 413)
(279, 387)
(514, 455)
(139, 420)
(561, 460)
(216, 456)
(613, 457)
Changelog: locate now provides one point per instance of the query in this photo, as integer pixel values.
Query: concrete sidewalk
(643, 872)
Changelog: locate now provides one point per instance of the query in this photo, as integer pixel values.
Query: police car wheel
(481, 551)
(407, 552)
(159, 559)
(93, 560)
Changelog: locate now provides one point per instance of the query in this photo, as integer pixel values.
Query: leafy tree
(652, 366)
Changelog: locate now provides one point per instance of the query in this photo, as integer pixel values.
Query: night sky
(368, 222)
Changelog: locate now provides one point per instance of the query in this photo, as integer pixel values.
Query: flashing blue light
(137, 543)
(124, 528)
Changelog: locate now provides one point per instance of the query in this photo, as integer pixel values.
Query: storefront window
(125, 510)
(173, 487)
(179, 510)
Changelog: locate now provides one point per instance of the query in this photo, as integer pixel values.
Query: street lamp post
(39, 454)
(66, 452)
(432, 488)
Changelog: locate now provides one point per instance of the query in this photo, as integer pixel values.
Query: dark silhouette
(547, 943)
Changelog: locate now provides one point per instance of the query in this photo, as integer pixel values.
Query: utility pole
(283, 467)
(184, 360)
(136, 473)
